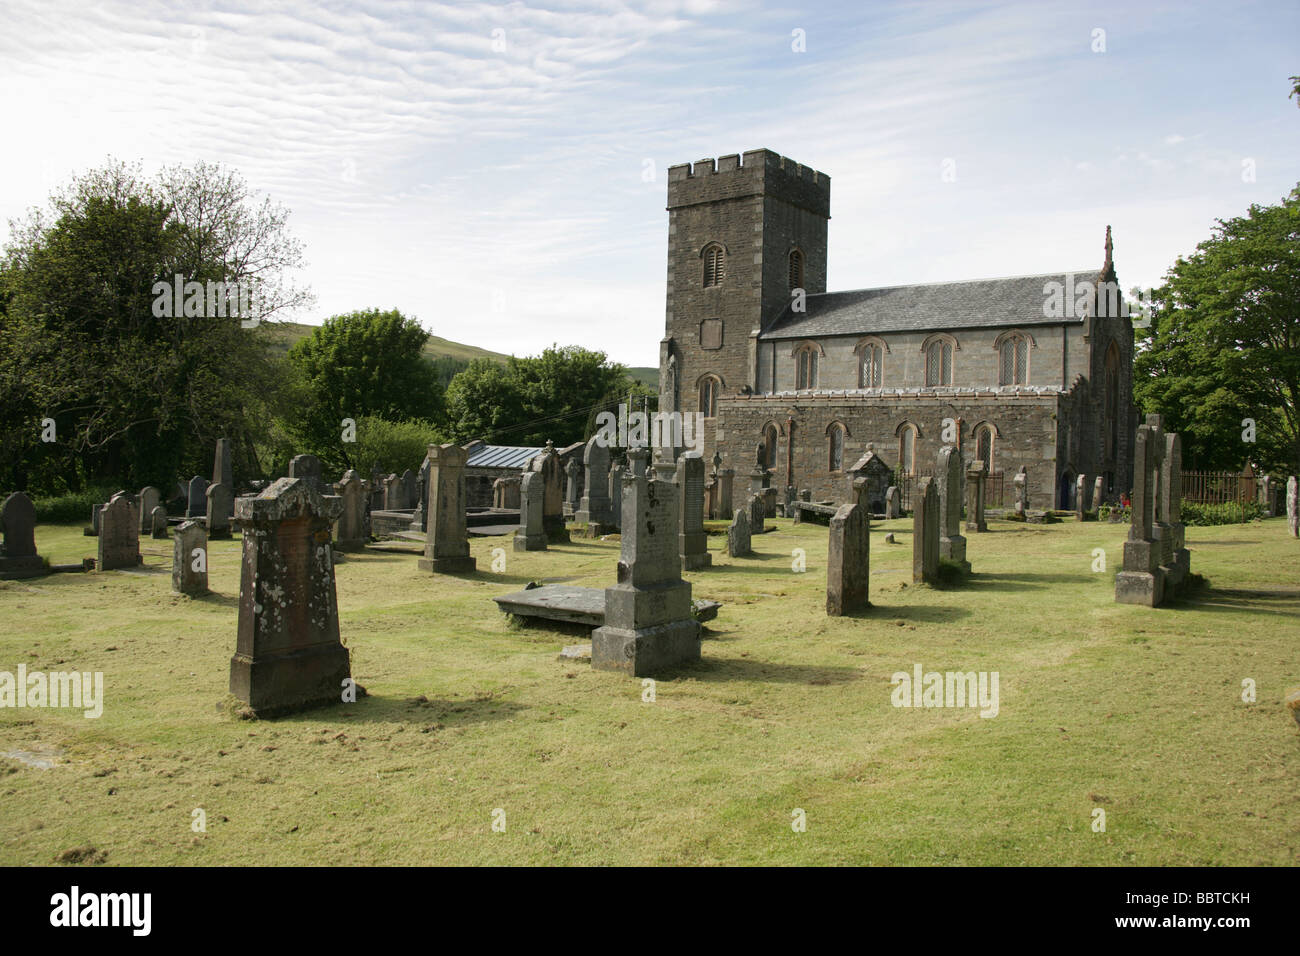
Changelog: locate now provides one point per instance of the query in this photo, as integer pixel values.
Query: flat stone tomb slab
(565, 602)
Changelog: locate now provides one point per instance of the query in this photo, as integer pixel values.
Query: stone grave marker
(594, 508)
(616, 495)
(221, 504)
(119, 534)
(739, 543)
(547, 464)
(148, 499)
(692, 542)
(197, 498)
(1019, 482)
(848, 563)
(352, 534)
(446, 545)
(158, 522)
(190, 558)
(222, 469)
(925, 533)
(951, 480)
(18, 557)
(531, 535)
(1141, 581)
(307, 467)
(976, 476)
(893, 502)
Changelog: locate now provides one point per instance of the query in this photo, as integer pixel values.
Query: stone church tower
(741, 234)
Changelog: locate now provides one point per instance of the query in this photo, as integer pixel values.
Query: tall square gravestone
(951, 479)
(18, 557)
(190, 559)
(222, 470)
(148, 499)
(1176, 563)
(119, 534)
(221, 505)
(649, 626)
(531, 534)
(976, 478)
(571, 472)
(848, 562)
(351, 531)
(594, 509)
(616, 495)
(446, 544)
(307, 468)
(547, 464)
(925, 533)
(692, 542)
(288, 654)
(1141, 581)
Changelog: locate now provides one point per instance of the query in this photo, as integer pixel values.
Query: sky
(499, 171)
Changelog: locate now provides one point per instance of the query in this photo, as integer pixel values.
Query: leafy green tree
(393, 446)
(362, 364)
(136, 395)
(1224, 343)
(555, 396)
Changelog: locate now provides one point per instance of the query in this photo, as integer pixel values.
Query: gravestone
(757, 515)
(222, 469)
(377, 491)
(148, 499)
(119, 534)
(739, 544)
(420, 490)
(1293, 507)
(692, 542)
(505, 493)
(1098, 495)
(571, 469)
(785, 502)
(221, 504)
(1020, 482)
(951, 480)
(878, 475)
(351, 531)
(394, 493)
(288, 655)
(190, 558)
(594, 507)
(725, 489)
(648, 626)
(410, 490)
(531, 535)
(158, 522)
(616, 495)
(925, 533)
(769, 502)
(1141, 581)
(547, 464)
(18, 557)
(976, 476)
(637, 465)
(1177, 563)
(1080, 497)
(307, 468)
(446, 544)
(1265, 498)
(93, 530)
(893, 500)
(849, 561)
(197, 498)
(757, 482)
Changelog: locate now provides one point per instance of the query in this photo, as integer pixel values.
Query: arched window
(769, 446)
(870, 365)
(907, 450)
(1013, 361)
(1111, 402)
(836, 436)
(796, 269)
(938, 363)
(710, 388)
(984, 446)
(715, 264)
(805, 363)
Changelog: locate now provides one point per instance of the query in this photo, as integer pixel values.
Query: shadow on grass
(747, 669)
(378, 709)
(1274, 602)
(979, 581)
(925, 613)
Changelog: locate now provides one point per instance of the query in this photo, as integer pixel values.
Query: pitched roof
(935, 306)
(501, 456)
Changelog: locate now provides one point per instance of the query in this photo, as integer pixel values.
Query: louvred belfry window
(715, 265)
(796, 269)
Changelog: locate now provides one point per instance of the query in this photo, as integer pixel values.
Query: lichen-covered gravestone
(119, 534)
(571, 470)
(18, 557)
(725, 488)
(288, 653)
(148, 499)
(222, 470)
(951, 480)
(925, 533)
(649, 626)
(190, 559)
(446, 547)
(848, 562)
(1141, 581)
(531, 534)
(594, 508)
(220, 506)
(158, 522)
(739, 544)
(1098, 494)
(307, 468)
(352, 534)
(757, 515)
(976, 475)
(196, 498)
(692, 542)
(892, 502)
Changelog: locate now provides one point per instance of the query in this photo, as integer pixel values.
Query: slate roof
(501, 456)
(932, 307)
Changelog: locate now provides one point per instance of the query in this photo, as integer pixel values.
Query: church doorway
(1066, 494)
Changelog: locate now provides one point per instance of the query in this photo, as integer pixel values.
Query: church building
(1017, 371)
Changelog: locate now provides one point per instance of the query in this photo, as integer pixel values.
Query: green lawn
(1132, 710)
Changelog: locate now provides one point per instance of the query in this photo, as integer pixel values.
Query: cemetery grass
(1135, 711)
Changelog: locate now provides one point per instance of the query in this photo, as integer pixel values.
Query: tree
(527, 401)
(361, 364)
(136, 396)
(1224, 343)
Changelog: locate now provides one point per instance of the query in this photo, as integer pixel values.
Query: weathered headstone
(505, 493)
(571, 469)
(410, 490)
(1141, 581)
(420, 490)
(394, 493)
(119, 534)
(1265, 497)
(738, 536)
(594, 509)
(547, 464)
(18, 557)
(893, 502)
(848, 563)
(951, 480)
(222, 468)
(925, 533)
(446, 545)
(757, 515)
(158, 522)
(757, 482)
(288, 655)
(148, 499)
(377, 490)
(197, 498)
(531, 535)
(769, 502)
(1177, 564)
(648, 626)
(976, 475)
(1098, 495)
(1080, 497)
(307, 467)
(1020, 482)
(637, 466)
(879, 476)
(726, 483)
(1293, 507)
(351, 530)
(220, 505)
(190, 558)
(692, 542)
(616, 495)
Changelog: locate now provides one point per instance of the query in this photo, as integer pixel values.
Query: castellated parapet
(757, 172)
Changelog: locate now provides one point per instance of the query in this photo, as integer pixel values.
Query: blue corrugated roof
(501, 456)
